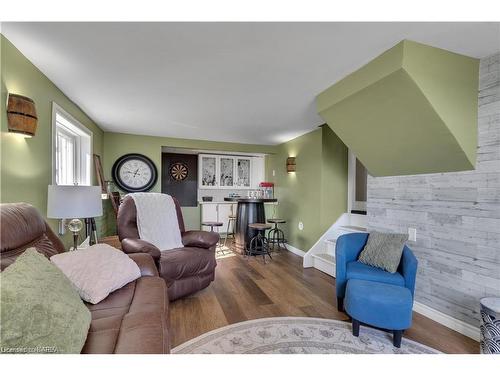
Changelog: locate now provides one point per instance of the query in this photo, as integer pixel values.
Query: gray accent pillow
(384, 250)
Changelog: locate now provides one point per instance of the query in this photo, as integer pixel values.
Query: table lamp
(74, 202)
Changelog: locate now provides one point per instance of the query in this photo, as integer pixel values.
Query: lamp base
(75, 225)
(75, 240)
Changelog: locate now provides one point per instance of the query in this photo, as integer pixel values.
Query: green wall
(316, 194)
(334, 174)
(26, 163)
(118, 144)
(413, 100)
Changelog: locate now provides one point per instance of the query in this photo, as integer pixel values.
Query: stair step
(325, 257)
(352, 228)
(325, 263)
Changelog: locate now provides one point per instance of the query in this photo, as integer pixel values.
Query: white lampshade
(70, 202)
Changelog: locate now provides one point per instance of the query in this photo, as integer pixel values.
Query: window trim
(57, 109)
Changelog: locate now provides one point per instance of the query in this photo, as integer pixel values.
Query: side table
(490, 325)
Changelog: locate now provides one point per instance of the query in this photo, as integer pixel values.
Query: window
(71, 149)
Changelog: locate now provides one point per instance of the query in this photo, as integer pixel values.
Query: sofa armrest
(136, 245)
(347, 250)
(409, 265)
(145, 262)
(199, 238)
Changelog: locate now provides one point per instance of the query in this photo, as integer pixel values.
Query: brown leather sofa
(133, 319)
(186, 270)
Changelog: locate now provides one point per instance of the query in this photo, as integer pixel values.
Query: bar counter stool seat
(276, 236)
(276, 221)
(258, 244)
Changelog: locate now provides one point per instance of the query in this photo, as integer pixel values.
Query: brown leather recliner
(132, 319)
(186, 270)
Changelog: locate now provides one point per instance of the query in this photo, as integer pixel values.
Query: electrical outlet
(301, 225)
(412, 234)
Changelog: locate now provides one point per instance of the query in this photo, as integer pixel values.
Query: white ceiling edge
(250, 83)
(195, 151)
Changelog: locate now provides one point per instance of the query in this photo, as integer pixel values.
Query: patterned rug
(290, 335)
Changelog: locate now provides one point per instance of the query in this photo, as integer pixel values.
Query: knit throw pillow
(97, 271)
(384, 250)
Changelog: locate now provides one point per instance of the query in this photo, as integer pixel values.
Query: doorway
(357, 186)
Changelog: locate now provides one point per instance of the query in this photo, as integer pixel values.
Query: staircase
(322, 255)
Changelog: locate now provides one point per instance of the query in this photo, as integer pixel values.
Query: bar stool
(231, 220)
(213, 224)
(258, 244)
(276, 236)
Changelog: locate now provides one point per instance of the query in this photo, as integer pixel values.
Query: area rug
(291, 335)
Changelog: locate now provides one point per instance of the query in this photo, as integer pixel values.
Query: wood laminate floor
(249, 289)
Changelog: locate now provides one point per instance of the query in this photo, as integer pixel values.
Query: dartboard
(178, 171)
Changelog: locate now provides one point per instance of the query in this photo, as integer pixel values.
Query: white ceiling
(241, 82)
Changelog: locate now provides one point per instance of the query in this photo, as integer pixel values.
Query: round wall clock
(178, 171)
(134, 173)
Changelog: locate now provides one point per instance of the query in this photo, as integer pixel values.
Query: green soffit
(411, 110)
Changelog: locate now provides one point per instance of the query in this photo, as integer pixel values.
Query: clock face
(134, 173)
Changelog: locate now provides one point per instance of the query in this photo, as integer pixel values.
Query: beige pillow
(97, 270)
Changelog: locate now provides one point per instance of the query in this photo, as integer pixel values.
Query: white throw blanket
(157, 220)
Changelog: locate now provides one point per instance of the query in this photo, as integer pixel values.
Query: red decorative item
(266, 184)
(267, 189)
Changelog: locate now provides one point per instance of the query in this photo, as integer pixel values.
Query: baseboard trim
(296, 251)
(448, 321)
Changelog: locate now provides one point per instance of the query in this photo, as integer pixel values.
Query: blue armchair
(347, 251)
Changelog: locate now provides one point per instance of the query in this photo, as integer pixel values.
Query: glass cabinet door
(226, 174)
(243, 174)
(208, 171)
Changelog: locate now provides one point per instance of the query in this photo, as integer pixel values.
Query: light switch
(412, 234)
(274, 173)
(301, 225)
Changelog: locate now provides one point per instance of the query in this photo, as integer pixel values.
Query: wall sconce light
(21, 115)
(290, 165)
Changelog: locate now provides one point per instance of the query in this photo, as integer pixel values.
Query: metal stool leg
(271, 235)
(266, 244)
(276, 237)
(261, 240)
(227, 231)
(281, 240)
(218, 245)
(259, 245)
(251, 246)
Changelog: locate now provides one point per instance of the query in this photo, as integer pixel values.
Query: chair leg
(281, 240)
(219, 247)
(355, 327)
(251, 246)
(227, 232)
(260, 240)
(340, 304)
(266, 244)
(396, 338)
